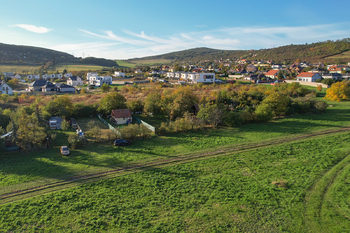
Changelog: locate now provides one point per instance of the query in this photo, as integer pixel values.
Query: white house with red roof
(308, 77)
(272, 73)
(121, 116)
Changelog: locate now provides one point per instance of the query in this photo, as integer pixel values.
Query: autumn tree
(111, 101)
(61, 106)
(211, 114)
(338, 91)
(30, 132)
(277, 102)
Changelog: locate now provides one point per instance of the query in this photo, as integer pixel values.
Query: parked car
(64, 150)
(122, 142)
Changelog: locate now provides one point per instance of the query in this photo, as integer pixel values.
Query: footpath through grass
(256, 191)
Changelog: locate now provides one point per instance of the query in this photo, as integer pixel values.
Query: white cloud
(133, 44)
(33, 28)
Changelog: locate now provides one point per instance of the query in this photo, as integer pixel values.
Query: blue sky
(137, 28)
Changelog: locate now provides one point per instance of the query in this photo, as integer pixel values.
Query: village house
(33, 76)
(119, 74)
(37, 85)
(75, 81)
(338, 69)
(138, 71)
(334, 76)
(272, 74)
(94, 79)
(49, 87)
(121, 116)
(4, 88)
(64, 88)
(67, 75)
(308, 77)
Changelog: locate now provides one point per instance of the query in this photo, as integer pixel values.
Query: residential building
(100, 80)
(201, 77)
(121, 116)
(119, 74)
(33, 76)
(64, 88)
(4, 88)
(308, 77)
(334, 76)
(338, 69)
(67, 75)
(37, 85)
(170, 75)
(272, 73)
(48, 87)
(138, 71)
(75, 81)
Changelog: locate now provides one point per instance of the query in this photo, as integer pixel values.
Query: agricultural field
(284, 188)
(344, 55)
(150, 61)
(125, 64)
(77, 67)
(18, 68)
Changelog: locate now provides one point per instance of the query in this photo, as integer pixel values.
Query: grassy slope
(231, 193)
(125, 64)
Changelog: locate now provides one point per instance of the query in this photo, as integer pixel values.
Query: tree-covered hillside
(320, 51)
(29, 55)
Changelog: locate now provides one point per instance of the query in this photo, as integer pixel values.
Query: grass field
(77, 67)
(150, 61)
(125, 64)
(340, 56)
(18, 68)
(266, 190)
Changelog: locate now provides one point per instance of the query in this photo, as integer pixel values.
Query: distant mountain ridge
(30, 55)
(319, 51)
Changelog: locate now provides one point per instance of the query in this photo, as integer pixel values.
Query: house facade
(64, 88)
(33, 76)
(119, 74)
(334, 76)
(121, 116)
(308, 77)
(75, 81)
(5, 89)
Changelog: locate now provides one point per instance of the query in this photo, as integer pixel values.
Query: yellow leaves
(338, 91)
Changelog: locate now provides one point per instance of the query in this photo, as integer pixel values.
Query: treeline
(99, 61)
(289, 53)
(188, 108)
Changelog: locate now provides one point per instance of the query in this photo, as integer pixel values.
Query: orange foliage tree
(338, 91)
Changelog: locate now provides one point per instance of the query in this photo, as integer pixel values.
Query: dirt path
(53, 187)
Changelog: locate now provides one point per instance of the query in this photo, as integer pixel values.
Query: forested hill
(320, 51)
(29, 55)
(19, 54)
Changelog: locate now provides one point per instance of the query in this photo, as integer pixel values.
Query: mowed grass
(256, 191)
(20, 170)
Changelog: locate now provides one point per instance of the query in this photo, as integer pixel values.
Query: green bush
(75, 142)
(232, 119)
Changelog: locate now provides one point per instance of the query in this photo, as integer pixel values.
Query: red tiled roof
(306, 74)
(272, 72)
(120, 113)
